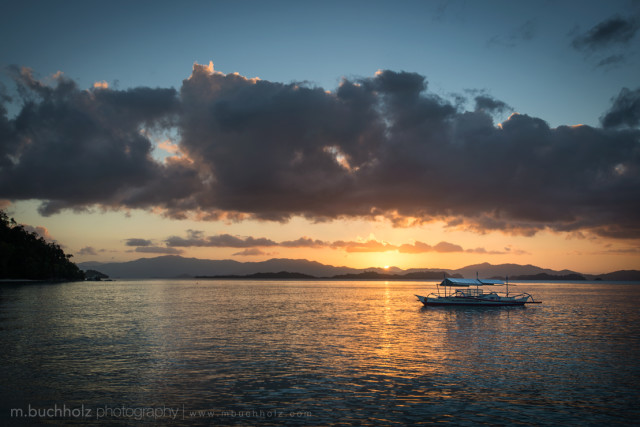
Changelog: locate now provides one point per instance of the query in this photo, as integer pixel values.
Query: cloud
(40, 231)
(101, 85)
(483, 251)
(168, 146)
(415, 248)
(138, 242)
(611, 60)
(197, 239)
(447, 247)
(147, 246)
(371, 245)
(75, 148)
(251, 252)
(303, 242)
(87, 250)
(489, 104)
(613, 31)
(410, 153)
(366, 246)
(625, 110)
(219, 241)
(608, 41)
(444, 247)
(376, 147)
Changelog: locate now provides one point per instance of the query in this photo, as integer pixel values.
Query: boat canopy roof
(465, 283)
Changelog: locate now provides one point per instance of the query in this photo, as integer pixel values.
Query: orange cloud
(416, 248)
(41, 231)
(368, 246)
(197, 239)
(168, 146)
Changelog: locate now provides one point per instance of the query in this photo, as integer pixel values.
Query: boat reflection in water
(469, 292)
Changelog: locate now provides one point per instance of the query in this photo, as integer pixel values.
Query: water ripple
(320, 353)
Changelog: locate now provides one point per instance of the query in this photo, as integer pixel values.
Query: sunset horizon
(392, 159)
(309, 213)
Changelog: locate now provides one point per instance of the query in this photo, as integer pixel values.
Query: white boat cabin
(469, 284)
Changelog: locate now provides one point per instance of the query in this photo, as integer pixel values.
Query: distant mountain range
(172, 266)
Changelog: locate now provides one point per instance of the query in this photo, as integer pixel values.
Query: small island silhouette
(367, 275)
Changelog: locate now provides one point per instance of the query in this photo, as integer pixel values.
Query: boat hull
(477, 302)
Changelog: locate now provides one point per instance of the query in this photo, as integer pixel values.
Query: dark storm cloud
(7, 133)
(613, 31)
(138, 242)
(272, 148)
(376, 147)
(625, 110)
(385, 146)
(228, 241)
(303, 242)
(73, 148)
(219, 241)
(489, 104)
(147, 246)
(87, 250)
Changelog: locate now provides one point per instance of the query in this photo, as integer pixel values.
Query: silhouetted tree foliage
(26, 255)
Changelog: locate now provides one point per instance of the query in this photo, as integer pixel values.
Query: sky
(431, 134)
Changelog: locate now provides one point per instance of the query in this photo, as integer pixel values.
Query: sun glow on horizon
(340, 243)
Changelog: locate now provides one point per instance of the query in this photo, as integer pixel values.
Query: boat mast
(444, 282)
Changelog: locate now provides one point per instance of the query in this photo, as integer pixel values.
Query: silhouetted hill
(501, 271)
(95, 275)
(168, 266)
(549, 277)
(621, 275)
(430, 275)
(172, 266)
(374, 275)
(26, 255)
(278, 275)
(367, 275)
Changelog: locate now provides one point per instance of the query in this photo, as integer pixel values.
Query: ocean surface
(187, 352)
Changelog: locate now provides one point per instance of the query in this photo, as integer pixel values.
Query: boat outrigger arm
(469, 292)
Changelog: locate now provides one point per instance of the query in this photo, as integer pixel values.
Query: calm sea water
(315, 353)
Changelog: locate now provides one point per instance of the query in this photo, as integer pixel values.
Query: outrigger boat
(469, 292)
